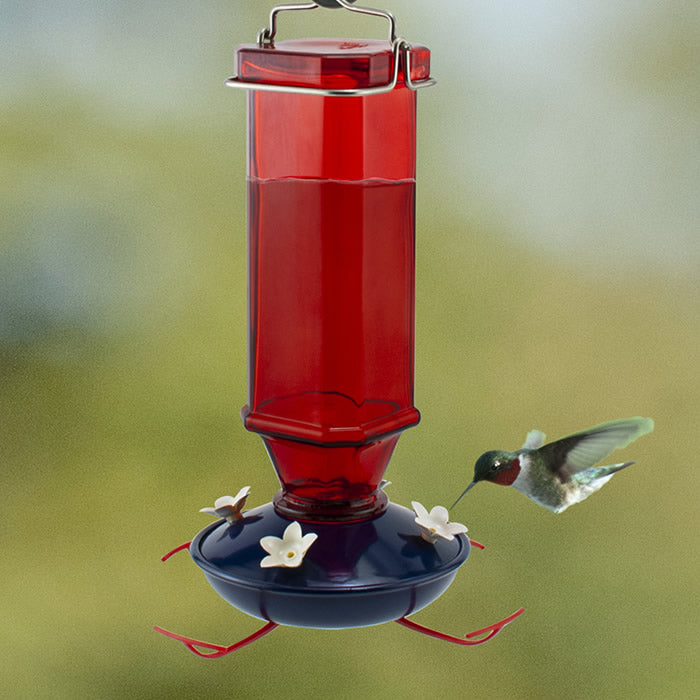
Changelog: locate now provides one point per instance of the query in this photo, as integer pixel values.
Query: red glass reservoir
(331, 199)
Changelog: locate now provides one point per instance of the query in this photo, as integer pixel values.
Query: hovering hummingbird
(560, 473)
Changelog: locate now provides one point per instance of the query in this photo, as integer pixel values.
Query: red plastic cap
(332, 64)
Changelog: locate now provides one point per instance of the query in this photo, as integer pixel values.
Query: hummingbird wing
(582, 450)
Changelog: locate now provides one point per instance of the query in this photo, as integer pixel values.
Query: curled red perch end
(218, 650)
(490, 631)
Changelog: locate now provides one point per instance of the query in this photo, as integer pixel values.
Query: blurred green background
(558, 260)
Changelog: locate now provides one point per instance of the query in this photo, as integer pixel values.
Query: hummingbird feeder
(331, 261)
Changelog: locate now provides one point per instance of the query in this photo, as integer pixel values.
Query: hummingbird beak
(460, 498)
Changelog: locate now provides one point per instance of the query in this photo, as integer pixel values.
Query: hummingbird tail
(595, 474)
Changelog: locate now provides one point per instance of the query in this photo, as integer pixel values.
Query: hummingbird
(561, 473)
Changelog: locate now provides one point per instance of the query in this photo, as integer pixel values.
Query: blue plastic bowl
(353, 575)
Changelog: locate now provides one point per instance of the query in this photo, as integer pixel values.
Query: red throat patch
(509, 475)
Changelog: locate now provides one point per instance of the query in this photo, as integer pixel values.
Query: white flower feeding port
(331, 241)
(435, 524)
(228, 507)
(289, 550)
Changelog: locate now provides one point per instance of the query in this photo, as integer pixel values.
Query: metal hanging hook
(267, 34)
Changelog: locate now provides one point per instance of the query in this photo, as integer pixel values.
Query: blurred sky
(575, 126)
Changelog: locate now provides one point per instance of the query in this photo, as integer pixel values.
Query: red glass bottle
(331, 199)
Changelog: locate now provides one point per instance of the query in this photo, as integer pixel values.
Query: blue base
(353, 575)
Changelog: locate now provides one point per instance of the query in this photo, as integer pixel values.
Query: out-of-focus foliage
(557, 287)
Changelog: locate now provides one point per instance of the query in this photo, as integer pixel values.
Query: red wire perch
(492, 630)
(218, 649)
(167, 556)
